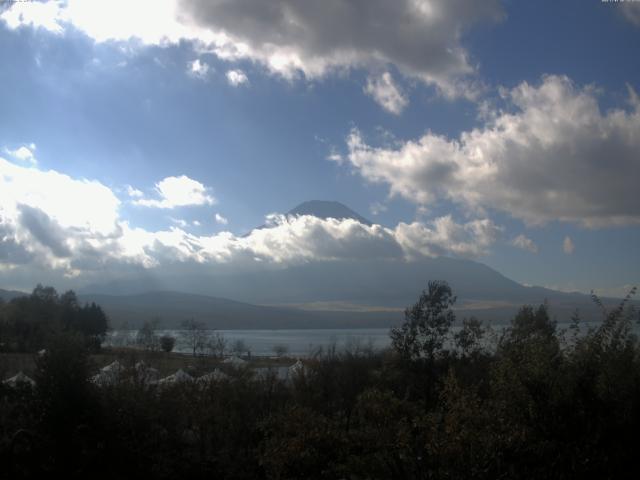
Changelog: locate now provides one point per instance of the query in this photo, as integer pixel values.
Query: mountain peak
(327, 209)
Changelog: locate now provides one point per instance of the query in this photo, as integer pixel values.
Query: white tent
(109, 375)
(146, 374)
(19, 379)
(235, 361)
(114, 367)
(297, 368)
(211, 377)
(179, 377)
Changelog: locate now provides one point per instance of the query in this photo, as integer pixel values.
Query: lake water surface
(301, 342)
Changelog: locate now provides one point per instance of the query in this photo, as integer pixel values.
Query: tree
(468, 339)
(240, 347)
(427, 323)
(62, 378)
(146, 336)
(30, 321)
(93, 323)
(280, 350)
(530, 322)
(217, 344)
(45, 294)
(195, 334)
(167, 342)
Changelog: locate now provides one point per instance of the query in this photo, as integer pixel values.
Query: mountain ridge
(325, 209)
(371, 292)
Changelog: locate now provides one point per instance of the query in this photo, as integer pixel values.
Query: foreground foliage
(30, 322)
(534, 402)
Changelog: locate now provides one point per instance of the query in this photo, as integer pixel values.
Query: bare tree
(240, 347)
(217, 344)
(280, 349)
(147, 337)
(195, 335)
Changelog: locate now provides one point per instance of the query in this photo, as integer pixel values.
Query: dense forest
(28, 323)
(529, 401)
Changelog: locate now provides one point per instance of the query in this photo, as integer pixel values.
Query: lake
(303, 342)
(299, 343)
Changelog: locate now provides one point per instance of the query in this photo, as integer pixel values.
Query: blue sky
(508, 133)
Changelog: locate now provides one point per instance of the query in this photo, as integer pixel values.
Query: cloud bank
(422, 38)
(548, 157)
(46, 230)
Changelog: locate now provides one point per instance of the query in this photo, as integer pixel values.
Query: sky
(155, 134)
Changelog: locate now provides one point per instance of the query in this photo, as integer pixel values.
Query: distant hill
(366, 285)
(171, 308)
(174, 307)
(330, 294)
(7, 295)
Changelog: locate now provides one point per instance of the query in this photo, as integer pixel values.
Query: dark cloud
(46, 231)
(421, 37)
(12, 252)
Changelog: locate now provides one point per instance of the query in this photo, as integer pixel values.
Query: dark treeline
(535, 403)
(28, 323)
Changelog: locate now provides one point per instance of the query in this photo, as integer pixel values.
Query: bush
(167, 342)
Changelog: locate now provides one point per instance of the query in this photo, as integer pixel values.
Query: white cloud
(567, 245)
(236, 78)
(525, 243)
(24, 153)
(555, 156)
(148, 21)
(198, 69)
(196, 223)
(444, 236)
(335, 157)
(47, 15)
(288, 37)
(84, 204)
(631, 11)
(178, 221)
(46, 231)
(377, 208)
(134, 192)
(386, 93)
(179, 191)
(220, 219)
(47, 218)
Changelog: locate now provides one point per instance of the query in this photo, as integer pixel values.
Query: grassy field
(166, 363)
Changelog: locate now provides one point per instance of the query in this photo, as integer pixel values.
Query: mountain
(327, 209)
(171, 308)
(7, 295)
(331, 295)
(323, 209)
(343, 293)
